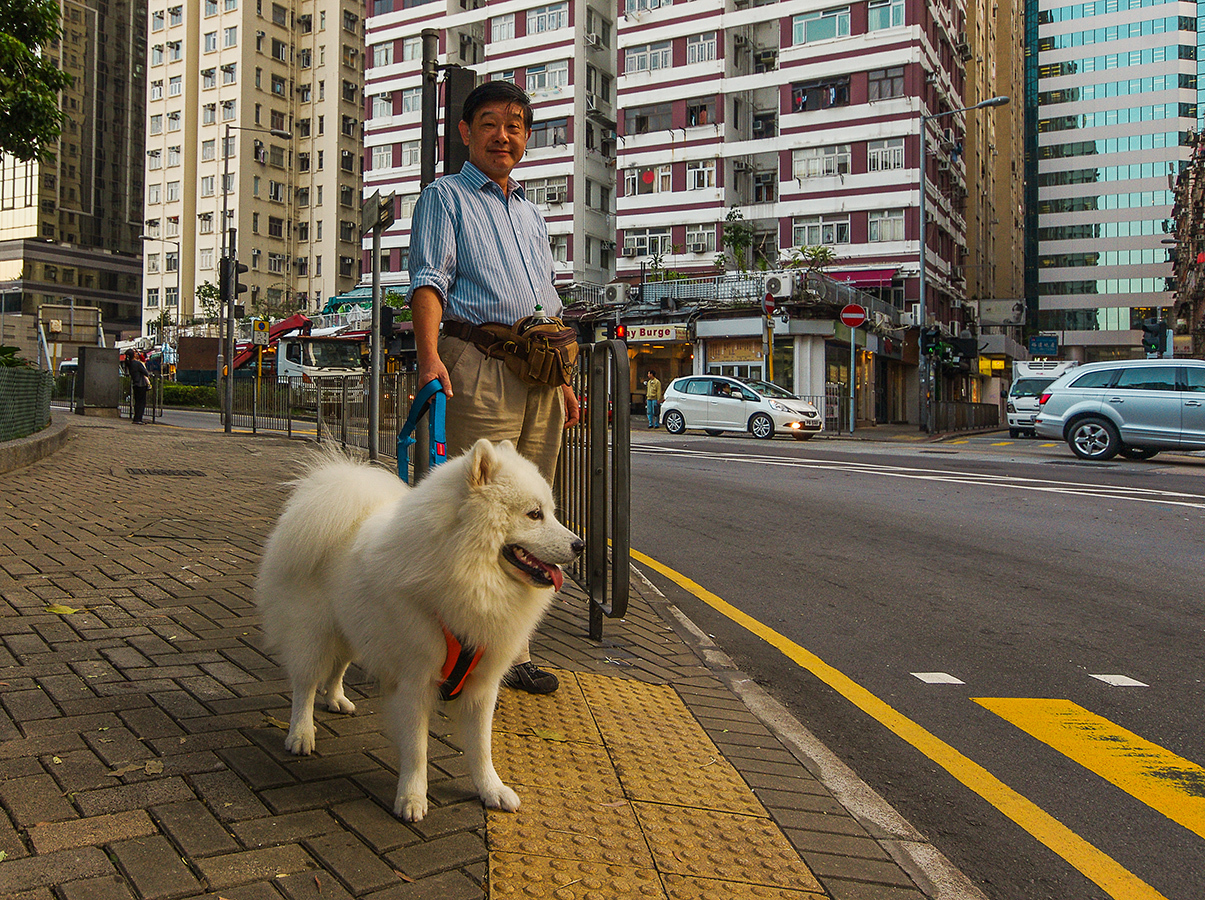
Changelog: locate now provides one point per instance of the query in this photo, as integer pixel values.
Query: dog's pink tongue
(558, 577)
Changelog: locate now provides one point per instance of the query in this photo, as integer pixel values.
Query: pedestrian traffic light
(1152, 336)
(621, 332)
(386, 321)
(929, 339)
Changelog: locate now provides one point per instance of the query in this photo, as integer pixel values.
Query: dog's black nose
(577, 546)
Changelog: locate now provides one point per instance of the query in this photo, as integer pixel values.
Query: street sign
(1044, 345)
(377, 212)
(767, 305)
(259, 333)
(853, 315)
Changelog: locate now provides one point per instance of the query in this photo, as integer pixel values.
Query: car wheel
(1137, 452)
(714, 432)
(802, 436)
(762, 426)
(673, 422)
(1014, 433)
(1094, 438)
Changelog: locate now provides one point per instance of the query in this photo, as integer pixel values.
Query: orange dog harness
(458, 665)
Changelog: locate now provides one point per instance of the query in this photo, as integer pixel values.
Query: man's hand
(573, 412)
(434, 370)
(427, 311)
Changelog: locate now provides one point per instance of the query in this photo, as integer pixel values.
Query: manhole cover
(168, 473)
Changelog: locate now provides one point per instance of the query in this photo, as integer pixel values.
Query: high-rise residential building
(1111, 94)
(563, 54)
(254, 109)
(69, 227)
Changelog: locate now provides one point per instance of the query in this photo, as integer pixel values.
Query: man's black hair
(492, 92)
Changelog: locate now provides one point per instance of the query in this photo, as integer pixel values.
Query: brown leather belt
(470, 333)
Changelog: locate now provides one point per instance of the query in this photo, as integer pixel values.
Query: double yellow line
(1098, 867)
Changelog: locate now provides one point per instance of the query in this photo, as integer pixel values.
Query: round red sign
(853, 315)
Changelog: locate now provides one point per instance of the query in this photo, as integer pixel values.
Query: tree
(738, 238)
(30, 117)
(210, 298)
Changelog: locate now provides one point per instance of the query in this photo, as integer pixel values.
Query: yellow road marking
(1002, 444)
(1099, 867)
(1165, 782)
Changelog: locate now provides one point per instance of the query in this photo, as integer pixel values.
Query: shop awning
(863, 278)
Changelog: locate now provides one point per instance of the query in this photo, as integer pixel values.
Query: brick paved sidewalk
(141, 741)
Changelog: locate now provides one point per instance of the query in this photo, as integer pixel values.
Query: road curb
(23, 451)
(932, 871)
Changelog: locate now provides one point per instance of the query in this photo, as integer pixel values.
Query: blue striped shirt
(484, 252)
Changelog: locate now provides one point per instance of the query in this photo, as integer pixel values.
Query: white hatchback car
(718, 404)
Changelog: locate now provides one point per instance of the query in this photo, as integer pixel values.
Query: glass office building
(1111, 91)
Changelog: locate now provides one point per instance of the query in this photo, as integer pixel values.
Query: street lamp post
(926, 362)
(228, 262)
(179, 254)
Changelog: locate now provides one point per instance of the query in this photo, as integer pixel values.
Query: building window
(173, 121)
(820, 26)
(152, 264)
(700, 112)
(700, 175)
(152, 298)
(173, 156)
(886, 225)
(765, 187)
(885, 83)
(205, 257)
(884, 155)
(382, 157)
(647, 241)
(648, 180)
(502, 28)
(209, 78)
(209, 113)
(175, 51)
(382, 54)
(547, 18)
(277, 119)
(211, 7)
(412, 49)
(205, 223)
(647, 57)
(411, 153)
(700, 48)
(598, 26)
(815, 231)
(173, 191)
(350, 22)
(821, 94)
(549, 133)
(816, 162)
(276, 227)
(175, 15)
(228, 111)
(229, 73)
(412, 100)
(542, 191)
(276, 191)
(278, 86)
(346, 266)
(280, 50)
(175, 85)
(635, 6)
(211, 41)
(154, 159)
(171, 261)
(157, 55)
(157, 21)
(171, 296)
(700, 239)
(885, 14)
(207, 185)
(645, 119)
(405, 205)
(280, 15)
(547, 78)
(157, 90)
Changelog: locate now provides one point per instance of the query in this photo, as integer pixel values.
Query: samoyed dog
(413, 584)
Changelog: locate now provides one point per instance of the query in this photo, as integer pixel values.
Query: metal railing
(953, 416)
(593, 479)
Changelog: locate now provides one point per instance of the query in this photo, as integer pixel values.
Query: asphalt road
(1007, 566)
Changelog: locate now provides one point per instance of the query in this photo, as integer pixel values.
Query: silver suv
(1134, 407)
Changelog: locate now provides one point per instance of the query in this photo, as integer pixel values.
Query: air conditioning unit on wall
(616, 292)
(781, 286)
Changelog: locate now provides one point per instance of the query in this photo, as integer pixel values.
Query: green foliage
(812, 259)
(202, 396)
(398, 302)
(10, 360)
(209, 296)
(738, 239)
(30, 118)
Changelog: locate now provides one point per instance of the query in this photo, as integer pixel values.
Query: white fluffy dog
(362, 568)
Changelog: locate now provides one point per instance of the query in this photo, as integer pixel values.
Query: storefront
(664, 349)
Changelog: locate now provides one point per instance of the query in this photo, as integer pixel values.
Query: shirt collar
(479, 180)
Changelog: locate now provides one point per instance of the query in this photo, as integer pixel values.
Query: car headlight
(1009, 406)
(779, 407)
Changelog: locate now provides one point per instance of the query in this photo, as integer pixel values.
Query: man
(479, 253)
(652, 398)
(140, 382)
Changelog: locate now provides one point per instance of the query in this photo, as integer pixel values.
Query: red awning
(863, 278)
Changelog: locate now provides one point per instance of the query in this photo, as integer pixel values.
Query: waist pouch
(543, 353)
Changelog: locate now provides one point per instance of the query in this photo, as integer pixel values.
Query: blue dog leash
(433, 398)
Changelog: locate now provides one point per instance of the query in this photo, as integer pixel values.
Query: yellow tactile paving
(560, 765)
(678, 887)
(571, 826)
(519, 876)
(624, 794)
(722, 846)
(564, 715)
(684, 776)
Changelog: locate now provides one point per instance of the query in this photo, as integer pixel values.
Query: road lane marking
(1113, 878)
(1120, 680)
(937, 678)
(1167, 783)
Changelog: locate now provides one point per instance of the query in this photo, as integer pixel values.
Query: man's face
(496, 139)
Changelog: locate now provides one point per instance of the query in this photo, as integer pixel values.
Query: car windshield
(333, 354)
(768, 389)
(1030, 387)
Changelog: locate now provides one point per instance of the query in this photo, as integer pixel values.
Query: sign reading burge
(656, 333)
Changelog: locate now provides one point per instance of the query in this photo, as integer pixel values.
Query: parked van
(1135, 407)
(1030, 379)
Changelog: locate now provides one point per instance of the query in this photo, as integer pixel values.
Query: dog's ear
(483, 463)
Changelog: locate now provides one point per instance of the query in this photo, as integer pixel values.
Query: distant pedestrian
(140, 382)
(652, 399)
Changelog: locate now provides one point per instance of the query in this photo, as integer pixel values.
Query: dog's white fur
(362, 568)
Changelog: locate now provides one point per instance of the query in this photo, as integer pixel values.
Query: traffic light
(621, 332)
(230, 271)
(386, 321)
(1152, 336)
(929, 339)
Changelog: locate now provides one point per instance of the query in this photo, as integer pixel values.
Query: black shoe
(531, 678)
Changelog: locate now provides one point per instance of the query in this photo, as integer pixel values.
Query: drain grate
(169, 473)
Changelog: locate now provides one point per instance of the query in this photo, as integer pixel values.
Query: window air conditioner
(553, 197)
(593, 40)
(698, 248)
(629, 251)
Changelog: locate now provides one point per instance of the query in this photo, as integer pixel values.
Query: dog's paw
(340, 705)
(500, 797)
(411, 807)
(300, 743)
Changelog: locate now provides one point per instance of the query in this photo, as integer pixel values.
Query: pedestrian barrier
(950, 416)
(593, 479)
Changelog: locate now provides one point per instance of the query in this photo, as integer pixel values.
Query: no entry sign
(853, 315)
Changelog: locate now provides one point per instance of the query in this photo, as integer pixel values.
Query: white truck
(1029, 380)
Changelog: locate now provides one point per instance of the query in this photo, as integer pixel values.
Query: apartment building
(1112, 94)
(563, 54)
(254, 109)
(69, 227)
